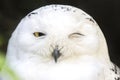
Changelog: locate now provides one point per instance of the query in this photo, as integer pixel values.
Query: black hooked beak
(56, 53)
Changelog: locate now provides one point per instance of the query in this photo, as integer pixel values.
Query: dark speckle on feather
(74, 10)
(112, 69)
(63, 8)
(118, 78)
(68, 9)
(90, 19)
(33, 13)
(55, 5)
(116, 71)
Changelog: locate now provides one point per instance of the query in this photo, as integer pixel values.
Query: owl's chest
(83, 71)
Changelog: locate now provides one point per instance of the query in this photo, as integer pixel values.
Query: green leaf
(2, 59)
(6, 69)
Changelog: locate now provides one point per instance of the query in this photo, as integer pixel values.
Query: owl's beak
(56, 54)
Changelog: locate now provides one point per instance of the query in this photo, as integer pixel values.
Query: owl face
(56, 33)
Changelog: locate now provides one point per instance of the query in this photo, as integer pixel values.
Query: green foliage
(2, 59)
(11, 73)
(5, 69)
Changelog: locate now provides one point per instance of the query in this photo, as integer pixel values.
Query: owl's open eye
(39, 34)
(75, 35)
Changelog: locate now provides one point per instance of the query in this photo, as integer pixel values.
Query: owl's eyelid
(77, 33)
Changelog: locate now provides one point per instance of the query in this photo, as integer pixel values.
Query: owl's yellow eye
(38, 34)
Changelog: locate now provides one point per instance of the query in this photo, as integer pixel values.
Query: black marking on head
(68, 9)
(90, 19)
(55, 6)
(74, 10)
(32, 13)
(63, 8)
(117, 78)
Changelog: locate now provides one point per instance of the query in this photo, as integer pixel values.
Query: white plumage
(60, 42)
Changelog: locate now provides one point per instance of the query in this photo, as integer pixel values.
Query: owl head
(55, 33)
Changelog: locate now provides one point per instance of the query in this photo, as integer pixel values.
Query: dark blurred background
(105, 12)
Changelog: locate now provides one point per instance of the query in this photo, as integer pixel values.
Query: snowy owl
(60, 42)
